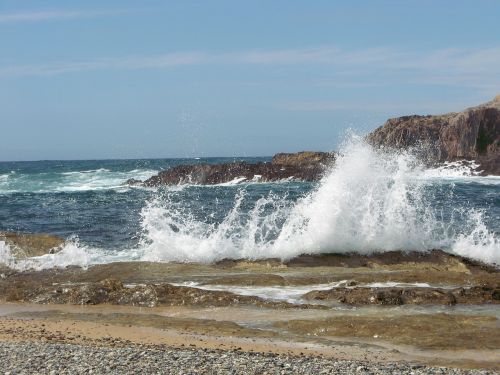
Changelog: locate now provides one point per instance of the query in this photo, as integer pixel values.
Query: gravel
(44, 358)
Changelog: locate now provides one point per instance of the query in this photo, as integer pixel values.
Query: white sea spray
(6, 256)
(72, 253)
(371, 201)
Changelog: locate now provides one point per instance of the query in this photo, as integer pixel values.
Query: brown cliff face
(303, 166)
(304, 159)
(473, 134)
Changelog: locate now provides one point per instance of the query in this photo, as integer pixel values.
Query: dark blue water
(89, 201)
(88, 198)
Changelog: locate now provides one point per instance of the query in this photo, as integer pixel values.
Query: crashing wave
(370, 201)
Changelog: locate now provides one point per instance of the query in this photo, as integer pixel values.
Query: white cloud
(476, 68)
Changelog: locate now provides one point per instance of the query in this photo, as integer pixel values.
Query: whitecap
(74, 181)
(370, 201)
(235, 181)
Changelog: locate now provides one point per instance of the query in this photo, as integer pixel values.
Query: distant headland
(473, 134)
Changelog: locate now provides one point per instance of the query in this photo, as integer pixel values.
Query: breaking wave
(74, 181)
(74, 253)
(371, 201)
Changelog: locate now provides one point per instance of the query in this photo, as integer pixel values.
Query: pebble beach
(48, 358)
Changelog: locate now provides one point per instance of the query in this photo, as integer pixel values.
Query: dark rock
(302, 166)
(132, 182)
(496, 295)
(473, 134)
(405, 296)
(304, 159)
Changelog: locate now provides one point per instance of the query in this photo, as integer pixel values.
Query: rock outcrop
(407, 295)
(473, 134)
(24, 245)
(114, 292)
(302, 166)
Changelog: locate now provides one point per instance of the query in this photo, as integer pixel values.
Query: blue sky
(128, 79)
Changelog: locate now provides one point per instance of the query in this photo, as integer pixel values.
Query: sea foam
(370, 201)
(74, 181)
(73, 253)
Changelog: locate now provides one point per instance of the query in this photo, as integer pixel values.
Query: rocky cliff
(303, 166)
(473, 134)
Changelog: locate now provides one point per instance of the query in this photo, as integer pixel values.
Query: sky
(101, 79)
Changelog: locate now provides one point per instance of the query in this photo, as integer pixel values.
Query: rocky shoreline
(369, 309)
(470, 135)
(302, 166)
(473, 134)
(415, 278)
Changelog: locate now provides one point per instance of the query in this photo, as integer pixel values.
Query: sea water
(370, 201)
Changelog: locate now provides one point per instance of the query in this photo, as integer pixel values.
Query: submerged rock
(425, 331)
(473, 134)
(133, 182)
(113, 291)
(154, 284)
(432, 260)
(302, 166)
(24, 245)
(407, 295)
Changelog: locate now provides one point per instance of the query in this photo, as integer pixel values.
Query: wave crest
(75, 181)
(370, 201)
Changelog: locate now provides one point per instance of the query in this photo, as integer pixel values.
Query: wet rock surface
(437, 258)
(25, 245)
(302, 166)
(198, 325)
(473, 134)
(454, 280)
(408, 296)
(112, 291)
(424, 331)
(458, 313)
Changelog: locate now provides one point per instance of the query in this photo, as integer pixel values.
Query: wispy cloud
(158, 62)
(37, 16)
(375, 105)
(324, 55)
(479, 68)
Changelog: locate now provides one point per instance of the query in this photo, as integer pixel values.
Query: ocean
(370, 201)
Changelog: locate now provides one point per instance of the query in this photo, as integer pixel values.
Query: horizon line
(159, 158)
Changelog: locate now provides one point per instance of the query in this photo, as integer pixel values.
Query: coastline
(45, 330)
(263, 312)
